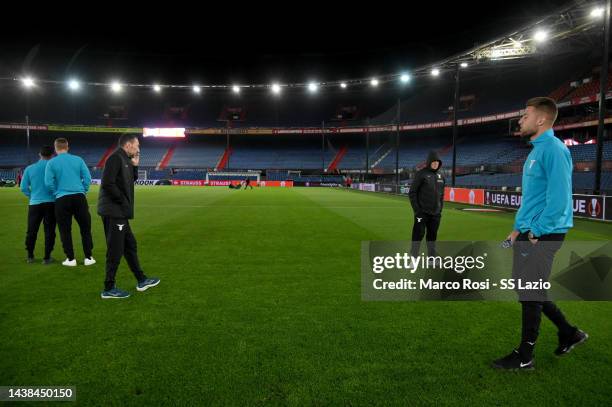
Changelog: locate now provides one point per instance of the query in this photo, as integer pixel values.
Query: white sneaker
(69, 263)
(90, 261)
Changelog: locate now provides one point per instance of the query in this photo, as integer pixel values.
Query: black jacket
(427, 189)
(116, 198)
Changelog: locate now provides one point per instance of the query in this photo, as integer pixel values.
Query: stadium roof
(253, 46)
(246, 51)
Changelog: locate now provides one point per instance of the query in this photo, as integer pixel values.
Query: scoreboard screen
(164, 132)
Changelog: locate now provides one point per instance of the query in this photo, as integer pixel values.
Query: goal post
(224, 176)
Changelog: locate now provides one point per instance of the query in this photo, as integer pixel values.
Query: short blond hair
(545, 105)
(60, 143)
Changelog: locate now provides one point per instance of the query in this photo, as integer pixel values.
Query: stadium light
(74, 85)
(597, 12)
(540, 36)
(28, 82)
(343, 85)
(464, 65)
(236, 89)
(276, 88)
(374, 82)
(313, 87)
(405, 78)
(196, 89)
(435, 72)
(157, 88)
(116, 87)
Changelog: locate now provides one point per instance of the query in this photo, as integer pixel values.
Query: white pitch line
(244, 206)
(268, 206)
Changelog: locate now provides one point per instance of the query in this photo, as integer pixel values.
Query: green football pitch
(260, 303)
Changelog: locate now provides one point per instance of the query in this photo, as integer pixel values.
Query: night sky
(297, 42)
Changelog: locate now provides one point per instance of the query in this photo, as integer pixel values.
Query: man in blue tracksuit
(540, 226)
(68, 179)
(41, 206)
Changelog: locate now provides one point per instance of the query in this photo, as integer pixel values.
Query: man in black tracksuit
(427, 198)
(116, 206)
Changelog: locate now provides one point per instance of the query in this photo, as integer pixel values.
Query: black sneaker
(48, 261)
(30, 260)
(513, 362)
(567, 343)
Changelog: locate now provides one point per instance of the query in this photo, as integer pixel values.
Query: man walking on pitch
(540, 226)
(41, 207)
(427, 198)
(116, 207)
(68, 179)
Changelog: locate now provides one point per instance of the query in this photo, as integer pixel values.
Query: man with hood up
(427, 198)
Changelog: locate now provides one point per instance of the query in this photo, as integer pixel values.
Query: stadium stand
(197, 154)
(193, 157)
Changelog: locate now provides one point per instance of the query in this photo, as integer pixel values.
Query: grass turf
(260, 303)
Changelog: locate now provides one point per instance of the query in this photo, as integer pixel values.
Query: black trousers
(532, 263)
(66, 208)
(45, 213)
(120, 242)
(423, 223)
